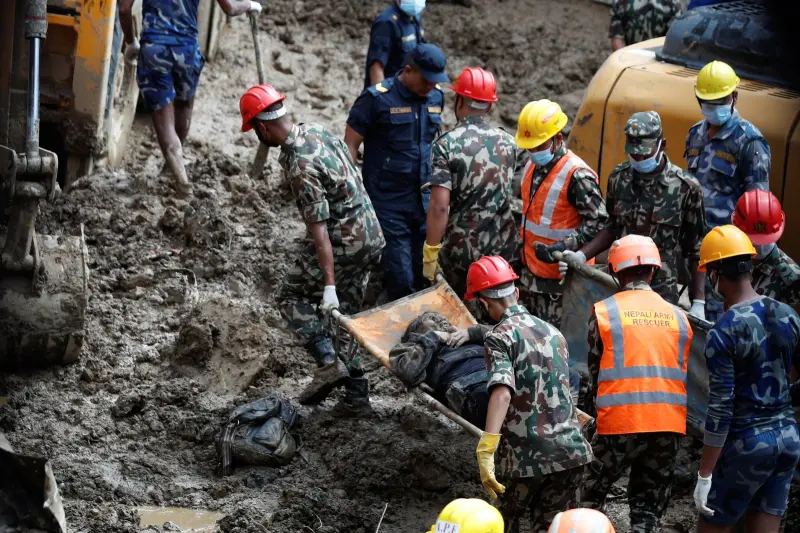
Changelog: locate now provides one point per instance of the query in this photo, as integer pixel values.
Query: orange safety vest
(642, 382)
(547, 215)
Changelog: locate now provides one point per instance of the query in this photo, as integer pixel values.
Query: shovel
(263, 150)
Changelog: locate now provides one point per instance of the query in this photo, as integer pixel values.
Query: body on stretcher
(379, 329)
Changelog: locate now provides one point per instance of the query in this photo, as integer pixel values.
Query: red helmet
(758, 213)
(256, 100)
(488, 272)
(477, 84)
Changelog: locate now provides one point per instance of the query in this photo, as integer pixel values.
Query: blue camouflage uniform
(399, 128)
(735, 161)
(170, 61)
(394, 34)
(749, 354)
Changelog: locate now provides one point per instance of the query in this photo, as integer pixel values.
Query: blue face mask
(716, 114)
(763, 250)
(412, 7)
(646, 166)
(542, 157)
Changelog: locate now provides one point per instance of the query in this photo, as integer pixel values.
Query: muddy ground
(182, 323)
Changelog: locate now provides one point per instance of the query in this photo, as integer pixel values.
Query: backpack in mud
(258, 433)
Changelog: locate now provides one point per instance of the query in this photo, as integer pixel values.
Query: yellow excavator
(751, 36)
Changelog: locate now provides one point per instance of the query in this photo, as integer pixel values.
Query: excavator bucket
(29, 497)
(583, 287)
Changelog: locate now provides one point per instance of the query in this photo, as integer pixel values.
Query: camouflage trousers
(651, 458)
(544, 497)
(301, 292)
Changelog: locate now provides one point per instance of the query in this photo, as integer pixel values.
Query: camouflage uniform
(543, 450)
(477, 162)
(750, 414)
(543, 296)
(778, 277)
(327, 188)
(736, 160)
(635, 21)
(666, 206)
(650, 456)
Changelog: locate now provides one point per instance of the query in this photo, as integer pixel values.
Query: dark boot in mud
(355, 403)
(329, 374)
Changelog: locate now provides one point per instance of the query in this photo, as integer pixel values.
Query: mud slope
(183, 325)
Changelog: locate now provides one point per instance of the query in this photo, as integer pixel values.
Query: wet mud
(182, 323)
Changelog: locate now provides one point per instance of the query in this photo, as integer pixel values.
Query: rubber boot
(356, 399)
(329, 374)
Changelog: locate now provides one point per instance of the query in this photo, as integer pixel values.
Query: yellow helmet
(469, 516)
(723, 242)
(538, 122)
(716, 80)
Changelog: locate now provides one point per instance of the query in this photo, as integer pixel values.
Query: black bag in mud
(258, 433)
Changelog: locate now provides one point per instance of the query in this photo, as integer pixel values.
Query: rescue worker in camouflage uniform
(638, 358)
(544, 451)
(634, 21)
(758, 213)
(751, 444)
(551, 220)
(648, 195)
(725, 152)
(344, 240)
(169, 67)
(470, 213)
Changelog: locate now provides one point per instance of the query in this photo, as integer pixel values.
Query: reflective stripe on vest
(642, 382)
(556, 220)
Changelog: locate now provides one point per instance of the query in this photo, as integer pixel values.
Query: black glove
(545, 253)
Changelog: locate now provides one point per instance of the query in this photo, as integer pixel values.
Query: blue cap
(430, 61)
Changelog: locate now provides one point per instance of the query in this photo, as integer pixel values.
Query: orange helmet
(581, 521)
(488, 272)
(758, 213)
(255, 101)
(631, 251)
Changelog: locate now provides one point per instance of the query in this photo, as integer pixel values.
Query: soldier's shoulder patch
(434, 109)
(394, 17)
(691, 152)
(399, 110)
(730, 158)
(380, 88)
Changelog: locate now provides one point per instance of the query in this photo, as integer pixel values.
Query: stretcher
(586, 285)
(377, 330)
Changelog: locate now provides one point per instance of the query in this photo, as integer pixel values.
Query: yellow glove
(430, 258)
(485, 452)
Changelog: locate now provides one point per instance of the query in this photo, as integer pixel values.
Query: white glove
(132, 52)
(255, 7)
(578, 256)
(329, 298)
(698, 309)
(701, 491)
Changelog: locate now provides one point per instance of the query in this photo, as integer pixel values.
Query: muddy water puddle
(189, 520)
